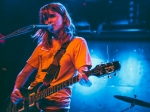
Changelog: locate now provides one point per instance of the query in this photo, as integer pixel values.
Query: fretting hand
(83, 79)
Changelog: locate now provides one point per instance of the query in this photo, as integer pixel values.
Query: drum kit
(132, 101)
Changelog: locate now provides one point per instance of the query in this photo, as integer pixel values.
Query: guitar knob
(106, 71)
(103, 77)
(100, 73)
(109, 76)
(115, 74)
(111, 70)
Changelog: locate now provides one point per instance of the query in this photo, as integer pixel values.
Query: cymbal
(133, 101)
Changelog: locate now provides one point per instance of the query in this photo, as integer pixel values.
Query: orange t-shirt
(76, 56)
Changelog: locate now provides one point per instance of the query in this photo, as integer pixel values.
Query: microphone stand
(19, 32)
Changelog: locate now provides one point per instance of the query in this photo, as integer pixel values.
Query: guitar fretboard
(99, 70)
(53, 89)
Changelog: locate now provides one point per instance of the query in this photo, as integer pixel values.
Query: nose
(48, 21)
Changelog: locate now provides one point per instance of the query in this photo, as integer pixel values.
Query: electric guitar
(30, 97)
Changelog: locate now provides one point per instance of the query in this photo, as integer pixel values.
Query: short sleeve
(81, 54)
(34, 58)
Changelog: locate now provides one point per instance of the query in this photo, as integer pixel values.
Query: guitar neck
(99, 70)
(54, 89)
(30, 96)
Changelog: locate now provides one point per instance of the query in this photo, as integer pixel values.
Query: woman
(75, 61)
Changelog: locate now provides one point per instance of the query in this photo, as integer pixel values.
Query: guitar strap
(53, 69)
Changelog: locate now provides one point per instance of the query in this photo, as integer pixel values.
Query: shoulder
(38, 48)
(78, 42)
(78, 39)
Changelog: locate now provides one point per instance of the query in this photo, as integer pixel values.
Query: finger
(13, 98)
(15, 101)
(82, 75)
(82, 81)
(85, 77)
(14, 95)
(19, 94)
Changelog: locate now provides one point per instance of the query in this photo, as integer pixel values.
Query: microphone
(42, 26)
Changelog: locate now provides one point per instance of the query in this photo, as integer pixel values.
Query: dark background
(114, 30)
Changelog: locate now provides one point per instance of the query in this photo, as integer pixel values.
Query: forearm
(23, 76)
(21, 80)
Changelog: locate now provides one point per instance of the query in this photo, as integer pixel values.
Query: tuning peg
(100, 72)
(106, 71)
(111, 70)
(115, 74)
(103, 77)
(109, 76)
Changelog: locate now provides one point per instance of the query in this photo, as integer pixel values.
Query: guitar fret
(99, 70)
(48, 91)
(75, 79)
(41, 94)
(33, 98)
(58, 88)
(51, 90)
(36, 97)
(64, 84)
(45, 92)
(67, 83)
(70, 81)
(55, 89)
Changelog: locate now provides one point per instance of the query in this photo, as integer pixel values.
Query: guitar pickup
(31, 99)
(20, 110)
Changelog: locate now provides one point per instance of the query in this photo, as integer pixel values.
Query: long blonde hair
(66, 32)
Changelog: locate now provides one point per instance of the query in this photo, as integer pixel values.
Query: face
(55, 19)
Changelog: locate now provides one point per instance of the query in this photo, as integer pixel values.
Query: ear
(64, 19)
(67, 22)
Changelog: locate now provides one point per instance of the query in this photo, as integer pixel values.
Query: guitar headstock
(104, 69)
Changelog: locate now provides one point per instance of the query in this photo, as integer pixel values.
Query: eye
(51, 15)
(45, 17)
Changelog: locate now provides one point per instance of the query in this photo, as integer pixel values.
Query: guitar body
(30, 97)
(24, 105)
